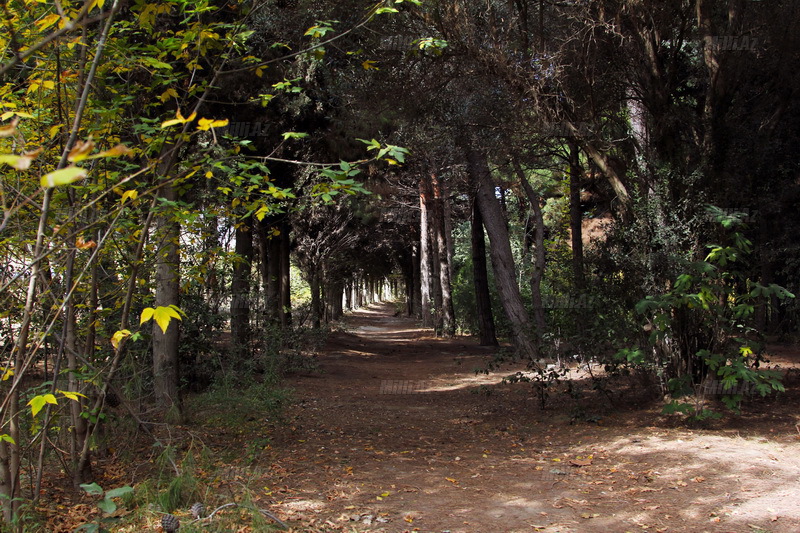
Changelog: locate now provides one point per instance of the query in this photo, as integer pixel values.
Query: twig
(266, 513)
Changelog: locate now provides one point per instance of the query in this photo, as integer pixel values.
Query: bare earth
(398, 433)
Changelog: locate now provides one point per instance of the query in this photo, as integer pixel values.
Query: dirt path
(399, 434)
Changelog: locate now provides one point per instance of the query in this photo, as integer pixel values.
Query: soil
(399, 433)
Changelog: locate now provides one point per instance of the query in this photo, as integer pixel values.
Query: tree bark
(447, 313)
(483, 300)
(425, 249)
(575, 214)
(537, 274)
(316, 300)
(285, 276)
(165, 344)
(272, 282)
(500, 251)
(240, 288)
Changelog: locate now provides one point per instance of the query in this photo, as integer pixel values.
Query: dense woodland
(193, 190)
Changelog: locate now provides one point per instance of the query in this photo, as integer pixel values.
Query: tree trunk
(483, 300)
(240, 289)
(334, 299)
(416, 288)
(285, 276)
(537, 274)
(500, 251)
(165, 344)
(575, 214)
(447, 313)
(272, 282)
(425, 249)
(316, 303)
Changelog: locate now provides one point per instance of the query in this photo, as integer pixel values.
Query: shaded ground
(399, 434)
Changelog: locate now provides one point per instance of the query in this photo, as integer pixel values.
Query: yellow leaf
(260, 71)
(54, 130)
(116, 151)
(132, 194)
(63, 176)
(7, 374)
(7, 130)
(81, 150)
(48, 21)
(164, 315)
(369, 65)
(118, 336)
(205, 124)
(80, 244)
(15, 161)
(37, 402)
(147, 314)
(178, 120)
(171, 92)
(71, 395)
(209, 174)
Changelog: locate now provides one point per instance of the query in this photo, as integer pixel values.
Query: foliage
(711, 307)
(106, 505)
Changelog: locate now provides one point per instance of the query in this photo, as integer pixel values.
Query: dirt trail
(399, 434)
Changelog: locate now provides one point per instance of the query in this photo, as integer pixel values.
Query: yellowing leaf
(7, 130)
(132, 194)
(178, 120)
(81, 150)
(37, 402)
(118, 336)
(64, 176)
(116, 151)
(20, 162)
(7, 374)
(369, 65)
(48, 21)
(80, 244)
(163, 315)
(171, 92)
(147, 314)
(205, 124)
(71, 395)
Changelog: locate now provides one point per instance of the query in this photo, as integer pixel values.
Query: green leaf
(293, 135)
(92, 488)
(118, 492)
(107, 506)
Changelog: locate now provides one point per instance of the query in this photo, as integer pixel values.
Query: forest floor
(397, 433)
